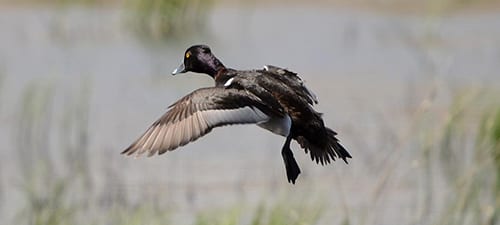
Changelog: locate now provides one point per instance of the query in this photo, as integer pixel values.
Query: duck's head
(199, 59)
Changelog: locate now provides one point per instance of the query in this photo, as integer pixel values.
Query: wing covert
(197, 114)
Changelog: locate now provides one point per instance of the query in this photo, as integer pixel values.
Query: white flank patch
(228, 82)
(280, 126)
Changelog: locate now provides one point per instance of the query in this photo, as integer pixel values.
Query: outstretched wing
(195, 115)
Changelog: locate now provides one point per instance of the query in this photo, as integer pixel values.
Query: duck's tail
(324, 151)
(335, 146)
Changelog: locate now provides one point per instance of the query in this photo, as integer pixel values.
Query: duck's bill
(180, 69)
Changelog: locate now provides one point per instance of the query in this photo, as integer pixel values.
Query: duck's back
(277, 86)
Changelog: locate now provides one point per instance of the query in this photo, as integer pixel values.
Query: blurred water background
(412, 87)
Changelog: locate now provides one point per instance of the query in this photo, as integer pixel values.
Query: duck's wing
(294, 81)
(197, 114)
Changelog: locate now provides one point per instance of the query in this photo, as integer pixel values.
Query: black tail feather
(324, 151)
(334, 147)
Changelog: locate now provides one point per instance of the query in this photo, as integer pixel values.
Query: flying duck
(274, 98)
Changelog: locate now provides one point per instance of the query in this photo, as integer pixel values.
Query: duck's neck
(214, 67)
(223, 75)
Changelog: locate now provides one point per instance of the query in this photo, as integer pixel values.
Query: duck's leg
(291, 166)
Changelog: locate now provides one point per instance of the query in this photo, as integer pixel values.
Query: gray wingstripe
(162, 137)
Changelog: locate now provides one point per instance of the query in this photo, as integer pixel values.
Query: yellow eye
(188, 54)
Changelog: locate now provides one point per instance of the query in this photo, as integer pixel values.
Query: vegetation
(456, 152)
(280, 212)
(152, 20)
(47, 190)
(162, 19)
(470, 165)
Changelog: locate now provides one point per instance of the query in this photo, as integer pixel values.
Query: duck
(273, 98)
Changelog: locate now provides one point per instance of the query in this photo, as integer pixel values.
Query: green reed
(277, 213)
(47, 183)
(466, 159)
(167, 19)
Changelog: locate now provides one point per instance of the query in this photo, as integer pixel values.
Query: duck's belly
(278, 125)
